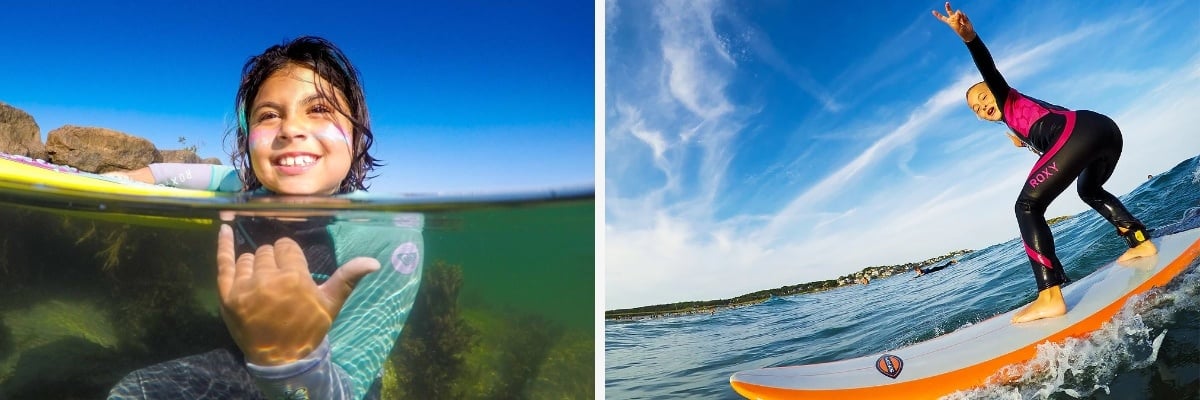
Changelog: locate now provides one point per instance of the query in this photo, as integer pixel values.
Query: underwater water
(94, 286)
(1151, 350)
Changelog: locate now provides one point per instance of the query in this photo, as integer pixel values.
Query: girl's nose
(293, 129)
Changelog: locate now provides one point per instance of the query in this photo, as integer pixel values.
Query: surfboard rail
(986, 348)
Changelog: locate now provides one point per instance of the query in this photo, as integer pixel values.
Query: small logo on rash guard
(406, 258)
(889, 365)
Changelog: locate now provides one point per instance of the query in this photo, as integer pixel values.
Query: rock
(19, 133)
(6, 341)
(98, 150)
(211, 160)
(70, 368)
(179, 156)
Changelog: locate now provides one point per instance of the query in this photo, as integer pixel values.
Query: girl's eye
(321, 108)
(267, 115)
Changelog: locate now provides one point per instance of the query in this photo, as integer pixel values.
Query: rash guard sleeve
(371, 320)
(312, 377)
(214, 178)
(987, 67)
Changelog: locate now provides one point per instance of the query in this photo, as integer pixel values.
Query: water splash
(1080, 367)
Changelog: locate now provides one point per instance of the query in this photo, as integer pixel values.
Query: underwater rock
(53, 319)
(42, 373)
(6, 342)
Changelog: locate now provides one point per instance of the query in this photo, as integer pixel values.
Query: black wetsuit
(935, 269)
(1073, 144)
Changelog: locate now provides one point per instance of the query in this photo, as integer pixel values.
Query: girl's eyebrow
(307, 100)
(312, 98)
(260, 106)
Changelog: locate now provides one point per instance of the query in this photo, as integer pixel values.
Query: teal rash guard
(352, 355)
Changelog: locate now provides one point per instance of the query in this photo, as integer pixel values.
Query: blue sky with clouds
(465, 96)
(752, 145)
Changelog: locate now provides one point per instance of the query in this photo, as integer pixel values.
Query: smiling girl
(302, 130)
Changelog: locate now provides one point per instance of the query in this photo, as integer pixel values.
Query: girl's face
(982, 103)
(299, 143)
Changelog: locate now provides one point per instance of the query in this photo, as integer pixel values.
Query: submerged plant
(526, 347)
(429, 360)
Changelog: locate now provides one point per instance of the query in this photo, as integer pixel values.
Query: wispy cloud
(933, 180)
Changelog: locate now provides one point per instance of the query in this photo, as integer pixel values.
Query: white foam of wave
(1079, 367)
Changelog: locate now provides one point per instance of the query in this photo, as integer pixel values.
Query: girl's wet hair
(324, 58)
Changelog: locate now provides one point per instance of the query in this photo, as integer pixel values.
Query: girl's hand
(958, 21)
(138, 175)
(1016, 141)
(272, 307)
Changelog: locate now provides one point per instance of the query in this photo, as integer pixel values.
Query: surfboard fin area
(989, 352)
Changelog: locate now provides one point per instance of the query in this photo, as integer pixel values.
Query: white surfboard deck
(966, 358)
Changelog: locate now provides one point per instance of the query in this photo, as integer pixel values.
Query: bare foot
(1048, 304)
(1142, 250)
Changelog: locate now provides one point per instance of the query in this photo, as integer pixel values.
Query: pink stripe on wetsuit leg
(1070, 127)
(1041, 259)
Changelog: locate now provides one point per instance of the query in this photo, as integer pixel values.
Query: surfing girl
(1071, 145)
(302, 129)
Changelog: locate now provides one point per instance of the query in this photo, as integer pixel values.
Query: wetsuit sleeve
(313, 377)
(216, 178)
(370, 322)
(987, 67)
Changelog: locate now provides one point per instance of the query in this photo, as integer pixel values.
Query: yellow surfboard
(38, 178)
(37, 173)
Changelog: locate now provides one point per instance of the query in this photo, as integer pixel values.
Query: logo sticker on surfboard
(889, 365)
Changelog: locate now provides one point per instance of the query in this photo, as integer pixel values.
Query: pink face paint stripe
(259, 137)
(332, 132)
(1067, 130)
(1041, 259)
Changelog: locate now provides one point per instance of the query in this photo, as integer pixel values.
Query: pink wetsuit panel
(1020, 112)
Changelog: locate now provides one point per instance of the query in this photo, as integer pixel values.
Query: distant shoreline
(712, 306)
(749, 299)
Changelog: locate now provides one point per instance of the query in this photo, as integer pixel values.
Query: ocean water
(1151, 350)
(94, 287)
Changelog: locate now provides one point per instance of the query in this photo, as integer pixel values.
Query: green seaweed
(429, 360)
(525, 347)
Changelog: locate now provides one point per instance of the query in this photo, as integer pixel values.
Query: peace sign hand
(958, 21)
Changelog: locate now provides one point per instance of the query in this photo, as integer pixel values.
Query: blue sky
(752, 145)
(465, 96)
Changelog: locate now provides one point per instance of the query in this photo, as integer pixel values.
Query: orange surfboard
(973, 356)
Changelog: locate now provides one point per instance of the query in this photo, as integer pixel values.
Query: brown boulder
(179, 156)
(211, 160)
(19, 133)
(98, 149)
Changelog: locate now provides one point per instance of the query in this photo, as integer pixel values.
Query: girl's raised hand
(270, 304)
(958, 21)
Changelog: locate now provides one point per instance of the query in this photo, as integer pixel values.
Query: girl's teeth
(294, 161)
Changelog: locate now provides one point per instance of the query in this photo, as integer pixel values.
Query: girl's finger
(226, 261)
(264, 260)
(289, 255)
